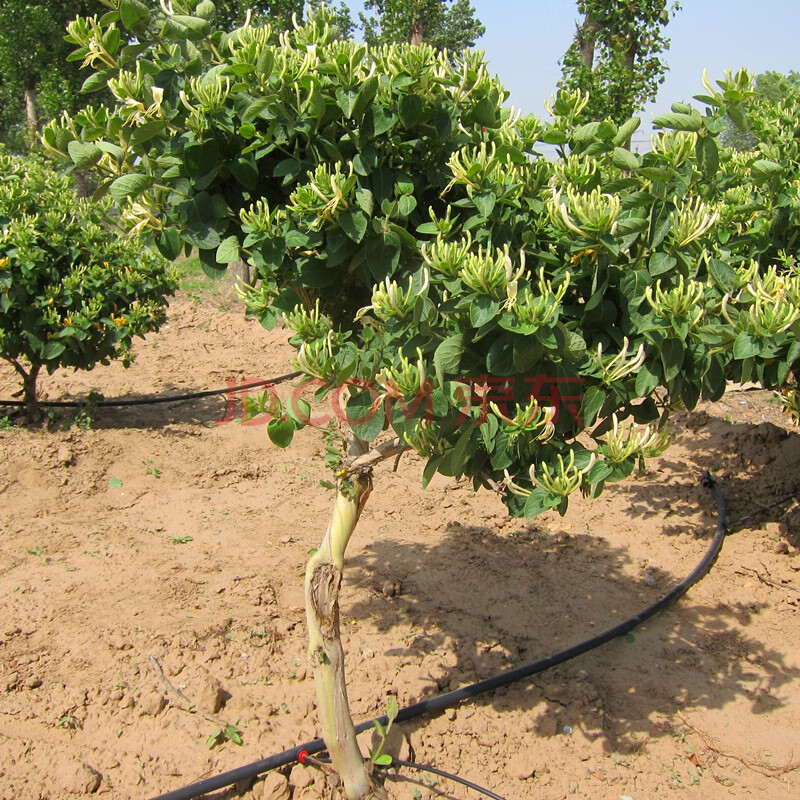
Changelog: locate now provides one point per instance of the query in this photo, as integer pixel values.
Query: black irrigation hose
(435, 705)
(304, 758)
(151, 401)
(396, 762)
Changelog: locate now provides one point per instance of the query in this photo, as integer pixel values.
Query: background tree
(616, 55)
(417, 21)
(769, 91)
(73, 291)
(278, 14)
(36, 80)
(38, 83)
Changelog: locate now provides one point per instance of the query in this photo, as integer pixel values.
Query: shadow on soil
(517, 600)
(756, 467)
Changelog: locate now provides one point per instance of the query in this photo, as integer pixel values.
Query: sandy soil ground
(151, 594)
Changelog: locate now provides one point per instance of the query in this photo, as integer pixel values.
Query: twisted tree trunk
(322, 584)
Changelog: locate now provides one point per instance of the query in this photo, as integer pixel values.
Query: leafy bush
(72, 292)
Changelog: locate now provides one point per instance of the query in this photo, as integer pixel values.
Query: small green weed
(151, 468)
(6, 424)
(180, 539)
(69, 722)
(220, 735)
(379, 757)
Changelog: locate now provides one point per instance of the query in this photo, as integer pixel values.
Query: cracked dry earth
(151, 594)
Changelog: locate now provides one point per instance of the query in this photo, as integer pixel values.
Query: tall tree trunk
(416, 32)
(31, 117)
(585, 36)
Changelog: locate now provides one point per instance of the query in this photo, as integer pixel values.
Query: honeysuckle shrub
(494, 304)
(74, 292)
(525, 322)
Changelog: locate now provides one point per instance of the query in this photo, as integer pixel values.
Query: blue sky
(525, 39)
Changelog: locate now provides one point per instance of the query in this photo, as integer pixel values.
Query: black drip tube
(436, 705)
(151, 401)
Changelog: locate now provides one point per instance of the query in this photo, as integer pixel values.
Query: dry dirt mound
(151, 594)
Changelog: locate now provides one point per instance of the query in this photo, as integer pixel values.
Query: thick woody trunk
(29, 393)
(31, 117)
(586, 37)
(323, 580)
(416, 32)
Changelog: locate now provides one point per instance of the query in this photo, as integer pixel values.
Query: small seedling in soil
(379, 757)
(6, 424)
(114, 483)
(151, 469)
(180, 539)
(70, 722)
(220, 735)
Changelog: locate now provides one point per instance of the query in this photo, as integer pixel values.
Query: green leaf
(366, 421)
(201, 235)
(245, 170)
(737, 117)
(708, 156)
(585, 134)
(365, 200)
(280, 432)
(746, 346)
(406, 204)
(115, 483)
(201, 159)
(431, 468)
(482, 310)
(540, 501)
(453, 463)
(447, 357)
(660, 262)
(169, 243)
(84, 154)
(366, 94)
(208, 262)
(129, 186)
(382, 253)
(392, 709)
(672, 358)
(346, 98)
(484, 203)
(96, 81)
(53, 349)
(228, 251)
(383, 760)
(134, 14)
(196, 27)
(679, 122)
(410, 110)
(354, 224)
(763, 170)
(723, 274)
(624, 159)
(600, 471)
(593, 400)
(626, 130)
(647, 379)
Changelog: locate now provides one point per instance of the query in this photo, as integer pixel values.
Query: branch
(367, 461)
